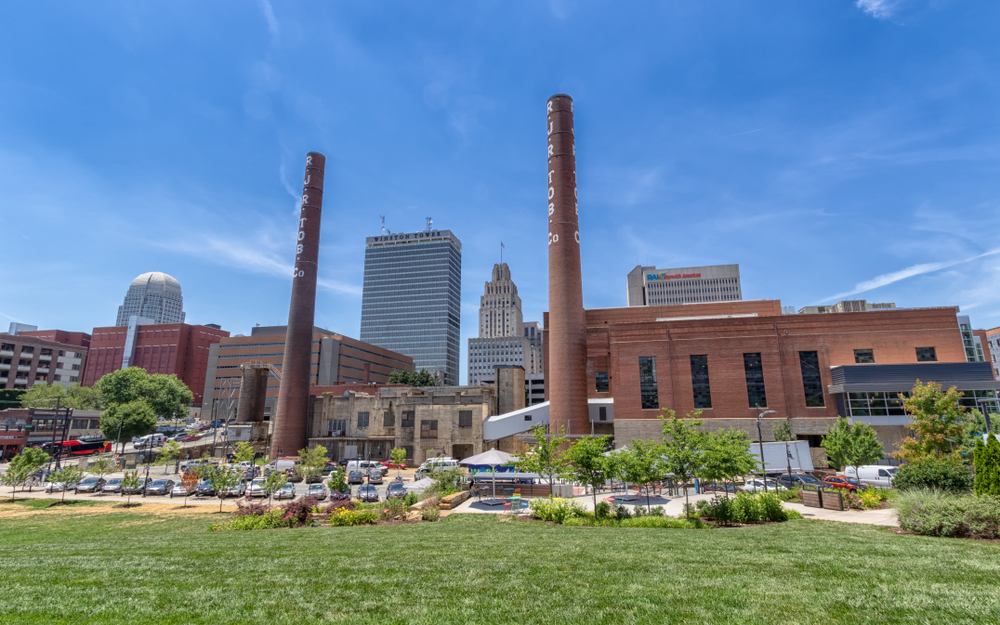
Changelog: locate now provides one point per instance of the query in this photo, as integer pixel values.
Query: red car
(392, 465)
(190, 437)
(839, 481)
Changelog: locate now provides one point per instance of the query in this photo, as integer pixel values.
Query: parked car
(90, 485)
(256, 488)
(137, 489)
(720, 487)
(368, 493)
(756, 484)
(55, 487)
(190, 465)
(160, 487)
(343, 463)
(328, 467)
(355, 477)
(389, 464)
(873, 475)
(179, 490)
(205, 489)
(203, 427)
(150, 440)
(316, 490)
(287, 492)
(395, 490)
(293, 476)
(315, 479)
(187, 438)
(797, 479)
(113, 485)
(840, 481)
(374, 476)
(235, 491)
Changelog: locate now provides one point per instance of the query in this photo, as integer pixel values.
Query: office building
(975, 351)
(504, 339)
(847, 305)
(993, 346)
(336, 360)
(154, 296)
(411, 302)
(176, 348)
(649, 286)
(47, 356)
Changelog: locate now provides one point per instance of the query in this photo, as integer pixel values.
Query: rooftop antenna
(384, 231)
(430, 225)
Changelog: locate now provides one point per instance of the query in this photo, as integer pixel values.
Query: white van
(283, 464)
(364, 465)
(150, 440)
(438, 464)
(873, 475)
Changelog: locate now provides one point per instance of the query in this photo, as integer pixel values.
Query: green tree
(168, 396)
(727, 456)
(782, 431)
(398, 457)
(84, 397)
(69, 476)
(974, 431)
(851, 445)
(130, 482)
(121, 422)
(338, 482)
(979, 464)
(543, 458)
(244, 452)
(11, 397)
(101, 467)
(641, 463)
(272, 483)
(44, 395)
(222, 479)
(938, 421)
(312, 461)
(588, 464)
(123, 386)
(989, 467)
(168, 453)
(684, 447)
(22, 466)
(412, 378)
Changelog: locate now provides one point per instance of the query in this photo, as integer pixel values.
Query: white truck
(778, 456)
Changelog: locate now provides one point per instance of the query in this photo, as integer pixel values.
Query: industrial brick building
(49, 356)
(170, 348)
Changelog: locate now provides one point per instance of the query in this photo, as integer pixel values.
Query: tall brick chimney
(292, 410)
(567, 331)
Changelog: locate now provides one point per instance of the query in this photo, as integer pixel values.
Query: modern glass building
(411, 302)
(154, 296)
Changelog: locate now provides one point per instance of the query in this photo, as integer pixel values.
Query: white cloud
(291, 191)
(272, 21)
(879, 9)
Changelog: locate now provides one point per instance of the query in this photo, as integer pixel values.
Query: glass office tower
(411, 302)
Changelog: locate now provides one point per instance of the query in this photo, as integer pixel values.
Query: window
(388, 420)
(362, 419)
(428, 429)
(602, 413)
(409, 451)
(699, 381)
(465, 418)
(408, 418)
(864, 356)
(812, 382)
(753, 369)
(926, 354)
(76, 367)
(602, 381)
(647, 383)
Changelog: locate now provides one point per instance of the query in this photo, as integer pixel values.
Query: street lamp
(986, 413)
(760, 439)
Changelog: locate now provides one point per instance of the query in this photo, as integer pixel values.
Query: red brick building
(47, 356)
(726, 358)
(176, 348)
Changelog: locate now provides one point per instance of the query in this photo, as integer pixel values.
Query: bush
(264, 521)
(720, 509)
(622, 513)
(340, 504)
(411, 498)
(603, 510)
(556, 510)
(947, 475)
(933, 512)
(430, 513)
(344, 516)
(299, 512)
(392, 508)
(251, 509)
(658, 511)
(871, 498)
(448, 481)
(747, 509)
(791, 494)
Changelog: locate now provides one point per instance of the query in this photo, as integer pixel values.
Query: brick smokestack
(292, 410)
(567, 331)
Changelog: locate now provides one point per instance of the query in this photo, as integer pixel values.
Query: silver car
(179, 490)
(256, 489)
(90, 485)
(114, 485)
(235, 491)
(287, 492)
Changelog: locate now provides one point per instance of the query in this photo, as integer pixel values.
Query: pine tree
(979, 466)
(992, 468)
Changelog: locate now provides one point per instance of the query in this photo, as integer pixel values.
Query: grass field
(87, 565)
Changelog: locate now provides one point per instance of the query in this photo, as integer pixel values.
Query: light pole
(760, 439)
(986, 414)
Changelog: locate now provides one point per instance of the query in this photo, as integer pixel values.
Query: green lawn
(129, 567)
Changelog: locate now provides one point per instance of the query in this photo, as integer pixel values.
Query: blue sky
(833, 149)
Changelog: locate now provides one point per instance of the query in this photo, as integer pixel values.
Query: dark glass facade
(411, 302)
(754, 371)
(864, 356)
(699, 381)
(812, 382)
(647, 383)
(601, 380)
(926, 354)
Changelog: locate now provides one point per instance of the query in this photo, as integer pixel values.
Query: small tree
(782, 431)
(189, 481)
(642, 463)
(168, 453)
(121, 422)
(727, 456)
(130, 482)
(683, 447)
(274, 482)
(398, 457)
(987, 467)
(222, 479)
(338, 482)
(101, 467)
(588, 463)
(937, 419)
(312, 461)
(543, 458)
(851, 445)
(22, 466)
(244, 452)
(69, 476)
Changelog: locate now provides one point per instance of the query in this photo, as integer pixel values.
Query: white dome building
(155, 296)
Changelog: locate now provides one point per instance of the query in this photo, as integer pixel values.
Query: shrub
(603, 510)
(556, 510)
(720, 509)
(340, 504)
(621, 512)
(871, 499)
(344, 516)
(791, 494)
(392, 508)
(658, 511)
(264, 521)
(411, 498)
(255, 509)
(791, 515)
(747, 509)
(948, 475)
(299, 512)
(934, 512)
(430, 513)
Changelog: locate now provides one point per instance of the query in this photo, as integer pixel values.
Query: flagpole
(501, 252)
